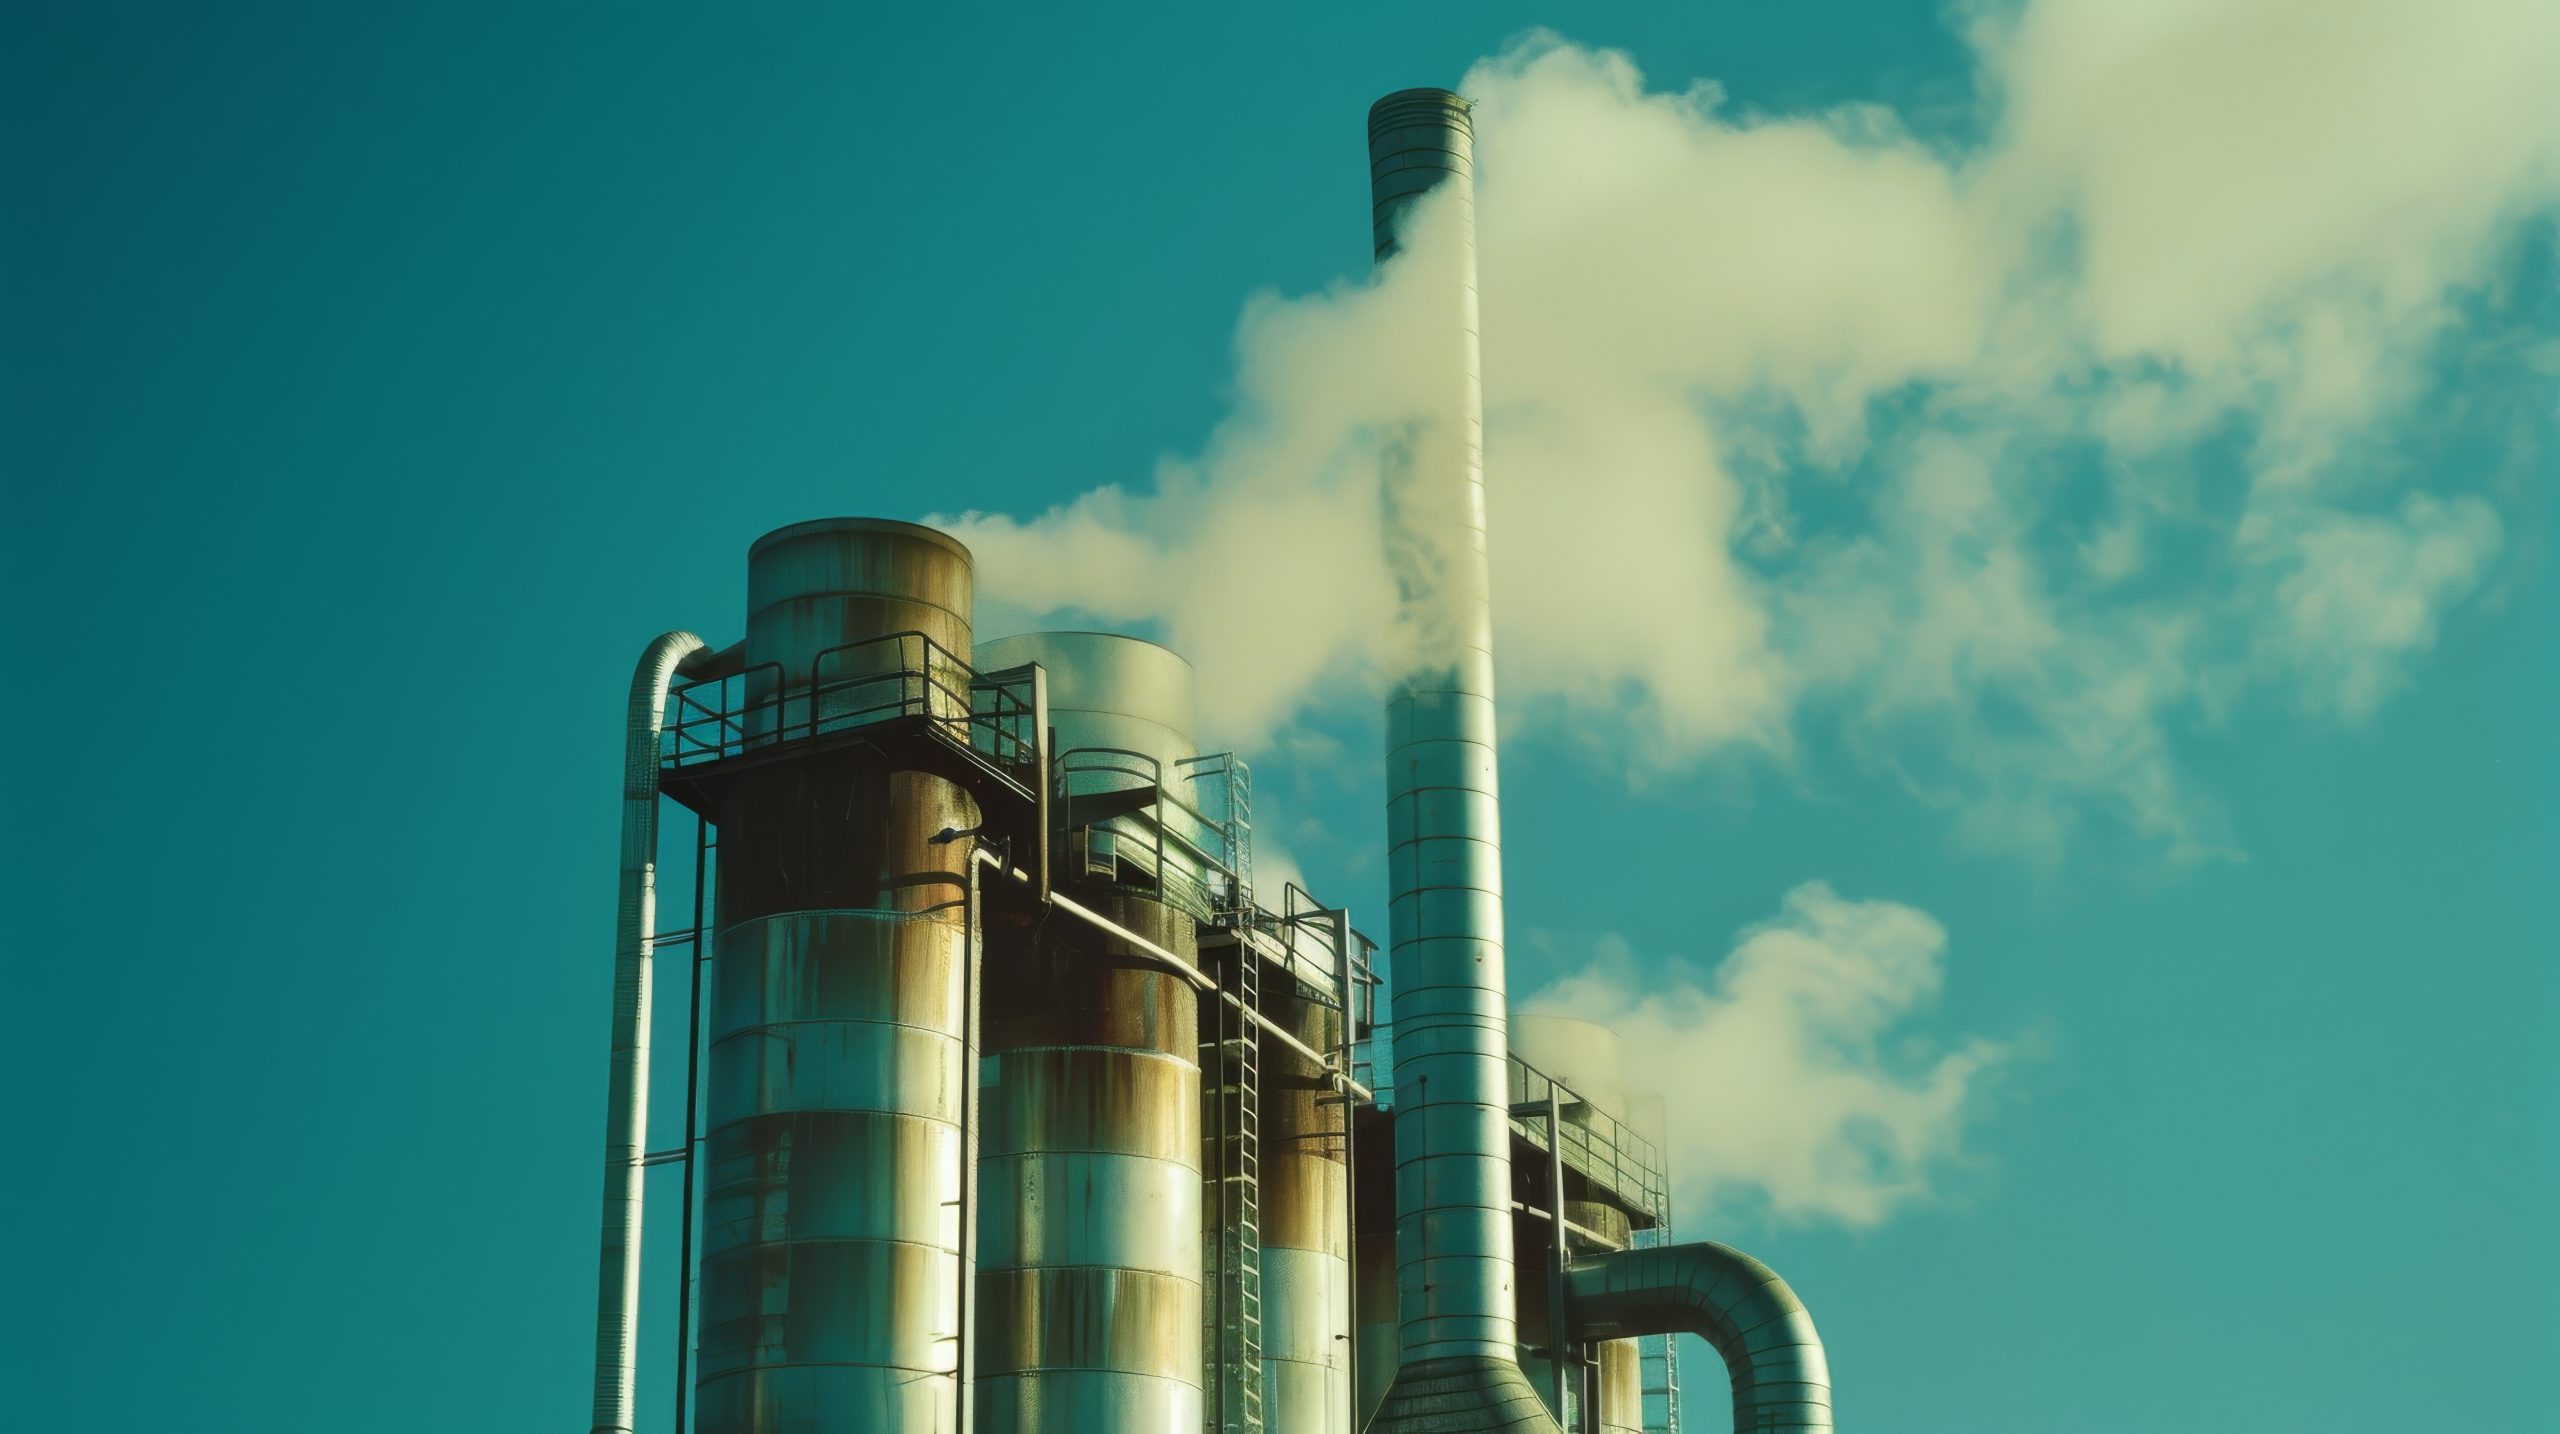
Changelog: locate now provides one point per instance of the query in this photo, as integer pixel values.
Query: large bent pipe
(626, 1118)
(1780, 1379)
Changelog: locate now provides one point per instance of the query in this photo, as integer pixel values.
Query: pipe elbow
(1781, 1378)
(667, 654)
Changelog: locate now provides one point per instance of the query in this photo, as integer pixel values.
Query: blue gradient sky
(373, 384)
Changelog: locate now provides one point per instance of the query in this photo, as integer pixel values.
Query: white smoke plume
(1823, 1110)
(1785, 410)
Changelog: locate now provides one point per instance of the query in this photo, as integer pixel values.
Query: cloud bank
(2000, 457)
(1825, 1112)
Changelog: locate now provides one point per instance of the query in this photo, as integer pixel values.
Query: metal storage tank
(1107, 689)
(832, 1260)
(1306, 1227)
(1089, 1257)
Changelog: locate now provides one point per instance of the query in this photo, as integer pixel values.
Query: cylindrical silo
(1089, 1181)
(832, 1261)
(1306, 1228)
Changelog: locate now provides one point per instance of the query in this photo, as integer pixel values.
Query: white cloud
(2360, 591)
(2295, 173)
(1789, 415)
(1826, 1107)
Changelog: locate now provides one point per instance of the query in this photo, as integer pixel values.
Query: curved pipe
(626, 1117)
(1780, 1379)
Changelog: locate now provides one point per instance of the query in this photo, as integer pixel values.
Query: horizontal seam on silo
(910, 599)
(792, 1241)
(1451, 740)
(737, 1033)
(917, 1116)
(857, 913)
(1186, 1062)
(1143, 1157)
(1068, 1265)
(1420, 839)
(752, 1367)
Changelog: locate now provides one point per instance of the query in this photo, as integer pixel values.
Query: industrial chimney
(1456, 1341)
(884, 1040)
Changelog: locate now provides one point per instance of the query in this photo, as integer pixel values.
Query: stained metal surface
(1457, 1338)
(1781, 1380)
(1306, 1229)
(1089, 1234)
(1089, 1171)
(627, 1078)
(832, 1266)
(821, 584)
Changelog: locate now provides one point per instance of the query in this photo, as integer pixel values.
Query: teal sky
(375, 380)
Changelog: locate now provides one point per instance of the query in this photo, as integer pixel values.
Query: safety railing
(853, 685)
(1597, 1144)
(1172, 848)
(1311, 937)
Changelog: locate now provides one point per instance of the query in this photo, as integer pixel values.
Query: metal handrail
(722, 717)
(1152, 775)
(1606, 1147)
(1200, 846)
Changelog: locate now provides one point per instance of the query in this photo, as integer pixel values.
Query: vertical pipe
(1346, 978)
(700, 952)
(627, 1074)
(1558, 1253)
(832, 1254)
(1455, 1269)
(971, 1000)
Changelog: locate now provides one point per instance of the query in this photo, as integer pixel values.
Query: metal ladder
(1248, 1074)
(1240, 830)
(1669, 1361)
(1243, 1234)
(1235, 1306)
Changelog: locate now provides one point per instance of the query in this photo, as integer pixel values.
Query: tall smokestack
(1458, 1314)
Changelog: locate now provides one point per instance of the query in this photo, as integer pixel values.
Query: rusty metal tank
(1089, 1256)
(832, 1263)
(1306, 1225)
